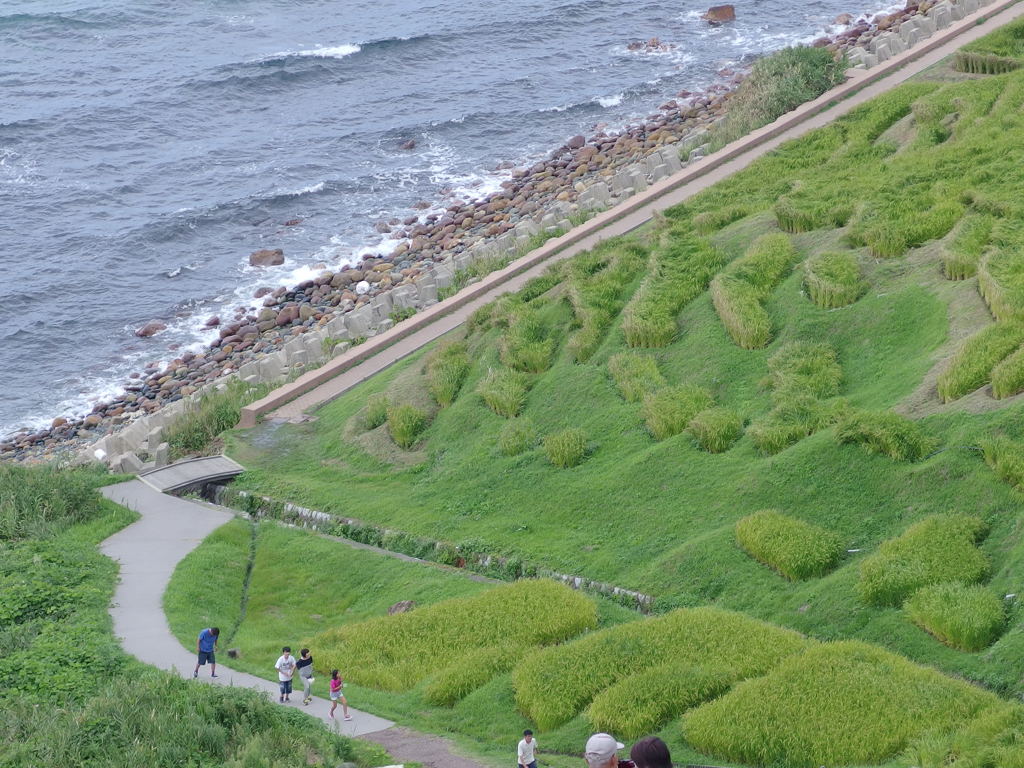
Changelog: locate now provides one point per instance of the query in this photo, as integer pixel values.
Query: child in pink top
(336, 685)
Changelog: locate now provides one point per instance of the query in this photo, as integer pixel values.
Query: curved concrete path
(292, 401)
(147, 552)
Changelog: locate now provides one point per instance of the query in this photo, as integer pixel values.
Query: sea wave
(320, 52)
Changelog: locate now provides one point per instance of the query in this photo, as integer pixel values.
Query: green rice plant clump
(555, 684)
(969, 618)
(739, 293)
(833, 279)
(973, 364)
(679, 271)
(376, 411)
(527, 344)
(1001, 271)
(566, 448)
(668, 411)
(517, 436)
(887, 433)
(961, 258)
(803, 213)
(646, 701)
(446, 373)
(1006, 458)
(635, 375)
(469, 672)
(504, 391)
(993, 738)
(395, 653)
(794, 548)
(804, 368)
(405, 424)
(716, 429)
(709, 222)
(1008, 376)
(940, 548)
(843, 703)
(996, 53)
(793, 418)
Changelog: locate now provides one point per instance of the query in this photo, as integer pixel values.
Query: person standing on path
(336, 685)
(305, 667)
(206, 646)
(285, 667)
(527, 750)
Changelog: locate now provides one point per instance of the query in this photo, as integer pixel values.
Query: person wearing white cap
(600, 751)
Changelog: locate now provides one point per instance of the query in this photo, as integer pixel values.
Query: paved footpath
(149, 549)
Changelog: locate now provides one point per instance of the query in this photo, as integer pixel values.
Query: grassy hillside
(833, 334)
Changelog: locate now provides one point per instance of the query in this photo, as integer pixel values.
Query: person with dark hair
(206, 646)
(526, 753)
(651, 752)
(305, 667)
(285, 667)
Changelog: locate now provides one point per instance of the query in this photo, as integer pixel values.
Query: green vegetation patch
(394, 653)
(740, 291)
(804, 368)
(1001, 272)
(794, 548)
(680, 270)
(566, 448)
(887, 433)
(844, 703)
(528, 343)
(970, 618)
(960, 261)
(504, 391)
(636, 375)
(668, 411)
(1008, 376)
(446, 372)
(517, 436)
(554, 684)
(973, 363)
(471, 671)
(375, 412)
(39, 502)
(995, 738)
(1006, 457)
(994, 54)
(834, 279)
(940, 548)
(405, 423)
(194, 431)
(716, 429)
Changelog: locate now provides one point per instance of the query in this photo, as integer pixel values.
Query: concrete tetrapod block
(403, 297)
(462, 260)
(670, 156)
(382, 304)
(162, 455)
(359, 319)
(270, 368)
(155, 437)
(444, 274)
(127, 463)
(940, 16)
(969, 6)
(912, 37)
(314, 345)
(926, 25)
(336, 327)
(660, 172)
(956, 11)
(426, 289)
(340, 349)
(882, 51)
(622, 181)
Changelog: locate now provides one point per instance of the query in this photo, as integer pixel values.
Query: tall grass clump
(709, 222)
(668, 411)
(517, 436)
(716, 429)
(969, 618)
(843, 703)
(887, 433)
(527, 344)
(394, 653)
(996, 53)
(995, 737)
(1001, 273)
(635, 375)
(797, 213)
(680, 270)
(215, 412)
(740, 292)
(940, 548)
(777, 84)
(796, 549)
(471, 671)
(1008, 376)
(504, 391)
(375, 412)
(646, 701)
(555, 684)
(961, 258)
(834, 279)
(37, 502)
(405, 424)
(446, 372)
(1006, 458)
(889, 228)
(566, 448)
(598, 287)
(971, 366)
(804, 368)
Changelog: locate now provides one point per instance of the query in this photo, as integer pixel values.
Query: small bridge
(191, 473)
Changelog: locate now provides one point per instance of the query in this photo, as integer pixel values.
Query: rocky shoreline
(583, 175)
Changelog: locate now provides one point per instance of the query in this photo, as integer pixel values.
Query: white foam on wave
(610, 101)
(324, 52)
(312, 189)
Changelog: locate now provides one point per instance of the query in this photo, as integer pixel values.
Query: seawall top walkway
(291, 401)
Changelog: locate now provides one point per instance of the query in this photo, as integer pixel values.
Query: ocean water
(147, 148)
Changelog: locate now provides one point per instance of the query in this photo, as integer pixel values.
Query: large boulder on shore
(266, 257)
(719, 14)
(150, 328)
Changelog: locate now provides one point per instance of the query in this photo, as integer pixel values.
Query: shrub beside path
(147, 552)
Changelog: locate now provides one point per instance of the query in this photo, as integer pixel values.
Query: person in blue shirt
(206, 645)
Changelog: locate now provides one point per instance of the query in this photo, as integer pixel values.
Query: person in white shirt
(285, 667)
(527, 750)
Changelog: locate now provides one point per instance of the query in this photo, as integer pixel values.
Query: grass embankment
(892, 187)
(70, 696)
